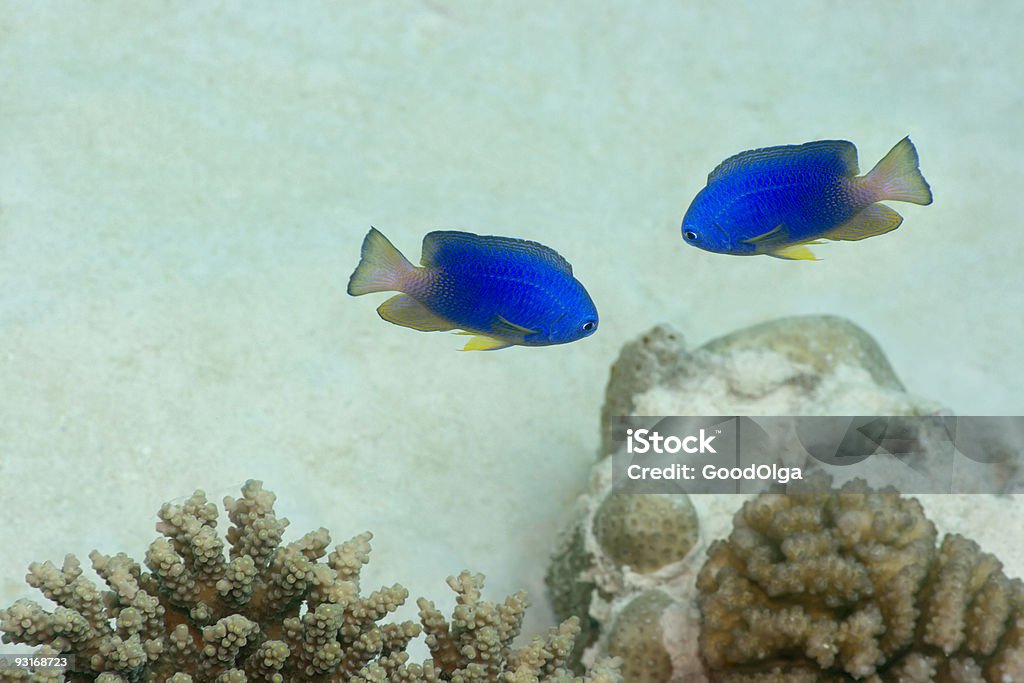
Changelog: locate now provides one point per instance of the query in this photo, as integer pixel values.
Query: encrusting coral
(625, 542)
(636, 638)
(848, 586)
(267, 612)
(646, 532)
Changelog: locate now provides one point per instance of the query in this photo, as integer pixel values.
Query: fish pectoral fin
(877, 219)
(776, 234)
(510, 329)
(794, 252)
(481, 342)
(406, 311)
(506, 334)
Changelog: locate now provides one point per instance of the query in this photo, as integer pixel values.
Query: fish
(501, 290)
(778, 200)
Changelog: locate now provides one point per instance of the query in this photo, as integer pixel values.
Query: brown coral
(620, 537)
(267, 612)
(848, 586)
(636, 639)
(646, 532)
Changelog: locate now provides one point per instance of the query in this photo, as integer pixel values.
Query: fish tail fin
(897, 176)
(382, 268)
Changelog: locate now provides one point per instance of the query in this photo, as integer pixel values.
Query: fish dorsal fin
(452, 246)
(831, 156)
(877, 219)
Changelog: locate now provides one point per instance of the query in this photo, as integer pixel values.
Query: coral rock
(804, 365)
(820, 342)
(808, 365)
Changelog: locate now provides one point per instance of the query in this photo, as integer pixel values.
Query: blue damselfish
(501, 290)
(777, 200)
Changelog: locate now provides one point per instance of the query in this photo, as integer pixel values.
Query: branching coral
(848, 586)
(266, 612)
(476, 645)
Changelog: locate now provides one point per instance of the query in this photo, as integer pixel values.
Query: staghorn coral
(265, 612)
(476, 645)
(848, 586)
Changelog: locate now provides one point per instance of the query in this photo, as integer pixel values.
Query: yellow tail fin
(382, 268)
(897, 176)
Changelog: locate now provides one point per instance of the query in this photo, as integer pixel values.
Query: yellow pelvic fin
(406, 311)
(482, 342)
(877, 219)
(774, 235)
(794, 252)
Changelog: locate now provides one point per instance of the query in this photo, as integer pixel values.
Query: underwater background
(184, 190)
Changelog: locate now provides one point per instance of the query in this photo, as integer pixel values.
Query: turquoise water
(183, 192)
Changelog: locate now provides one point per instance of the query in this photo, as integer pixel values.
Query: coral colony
(848, 586)
(269, 612)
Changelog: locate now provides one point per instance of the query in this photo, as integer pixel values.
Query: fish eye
(589, 326)
(690, 235)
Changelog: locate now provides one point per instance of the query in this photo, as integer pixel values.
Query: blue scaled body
(777, 200)
(503, 291)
